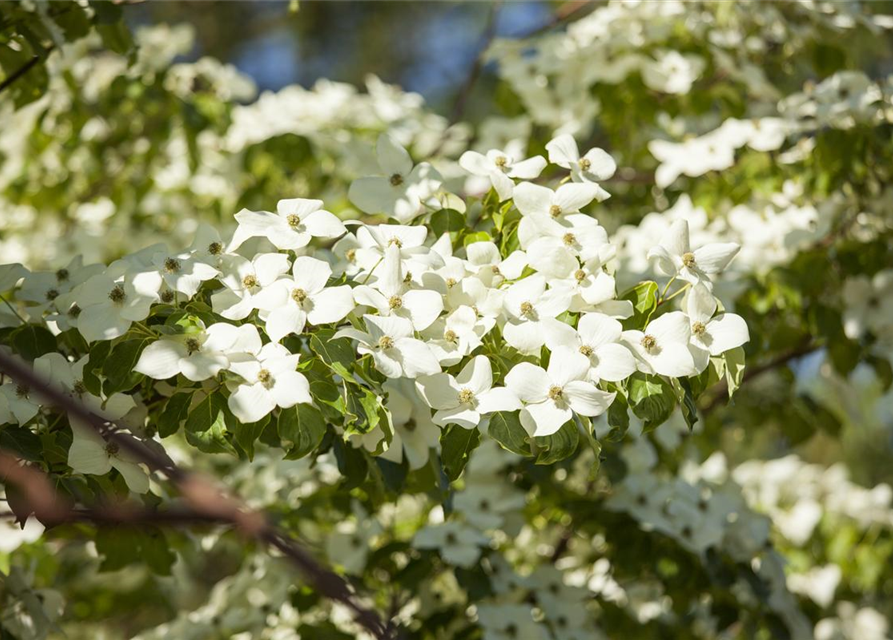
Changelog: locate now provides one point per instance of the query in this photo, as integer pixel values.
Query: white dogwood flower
(598, 338)
(182, 271)
(108, 307)
(453, 337)
(674, 256)
(712, 336)
(287, 305)
(500, 167)
(535, 200)
(531, 313)
(463, 399)
(296, 222)
(400, 192)
(269, 380)
(663, 347)
(594, 166)
(244, 280)
(393, 349)
(197, 355)
(551, 397)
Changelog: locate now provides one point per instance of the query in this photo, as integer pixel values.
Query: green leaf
(651, 398)
(506, 429)
(338, 353)
(446, 221)
(99, 352)
(174, 413)
(734, 361)
(480, 236)
(560, 445)
(689, 407)
(206, 425)
(644, 298)
(456, 444)
(118, 367)
(32, 341)
(122, 546)
(246, 434)
(352, 463)
(21, 441)
(618, 419)
(303, 427)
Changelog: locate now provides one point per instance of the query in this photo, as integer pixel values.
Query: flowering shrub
(494, 375)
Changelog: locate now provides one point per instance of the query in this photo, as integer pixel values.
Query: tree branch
(25, 68)
(206, 501)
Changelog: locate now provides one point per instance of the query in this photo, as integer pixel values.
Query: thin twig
(25, 68)
(206, 500)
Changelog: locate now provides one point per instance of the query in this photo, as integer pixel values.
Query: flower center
(466, 395)
(450, 336)
(450, 283)
(579, 275)
(396, 180)
(293, 220)
(584, 163)
(351, 255)
(172, 265)
(215, 248)
(569, 239)
(688, 259)
(192, 345)
(52, 294)
(62, 275)
(298, 295)
(385, 342)
(554, 211)
(395, 242)
(111, 448)
(586, 350)
(79, 388)
(495, 270)
(698, 328)
(265, 378)
(555, 393)
(395, 302)
(649, 342)
(75, 311)
(167, 296)
(249, 281)
(501, 162)
(22, 390)
(526, 308)
(117, 294)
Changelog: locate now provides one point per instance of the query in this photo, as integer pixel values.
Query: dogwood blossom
(463, 399)
(551, 397)
(400, 192)
(598, 338)
(296, 222)
(390, 343)
(663, 346)
(711, 336)
(269, 380)
(674, 256)
(596, 165)
(108, 307)
(501, 168)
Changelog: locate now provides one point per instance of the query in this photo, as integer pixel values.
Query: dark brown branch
(25, 68)
(206, 501)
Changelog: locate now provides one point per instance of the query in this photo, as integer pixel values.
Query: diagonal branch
(25, 68)
(206, 501)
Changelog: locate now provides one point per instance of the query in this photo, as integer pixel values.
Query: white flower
(296, 222)
(663, 347)
(672, 72)
(400, 191)
(457, 335)
(17, 402)
(197, 355)
(598, 338)
(45, 288)
(109, 307)
(595, 166)
(532, 311)
(392, 295)
(507, 621)
(458, 544)
(183, 272)
(463, 399)
(712, 336)
(395, 352)
(485, 506)
(553, 246)
(269, 381)
(500, 168)
(288, 304)
(674, 256)
(244, 280)
(537, 201)
(485, 260)
(90, 453)
(552, 397)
